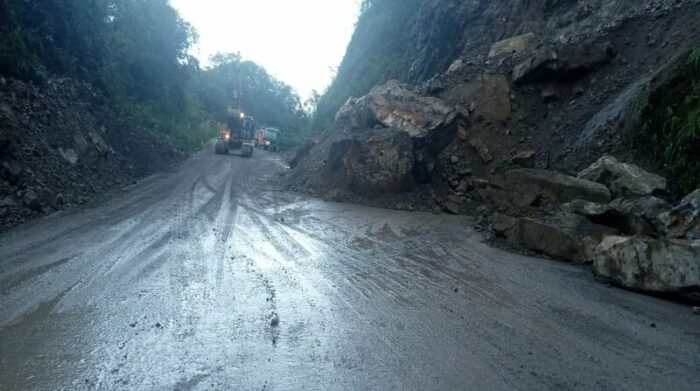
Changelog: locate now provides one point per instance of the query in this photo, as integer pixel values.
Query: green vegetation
(269, 100)
(376, 54)
(136, 52)
(674, 113)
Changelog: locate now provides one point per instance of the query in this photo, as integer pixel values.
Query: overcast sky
(297, 41)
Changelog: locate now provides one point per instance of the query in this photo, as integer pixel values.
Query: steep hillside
(413, 40)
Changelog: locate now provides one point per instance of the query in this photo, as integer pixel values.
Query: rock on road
(206, 277)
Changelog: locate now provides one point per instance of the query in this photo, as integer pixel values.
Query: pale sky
(297, 41)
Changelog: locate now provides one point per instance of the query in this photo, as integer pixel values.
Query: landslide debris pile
(384, 143)
(519, 128)
(612, 214)
(60, 146)
(539, 84)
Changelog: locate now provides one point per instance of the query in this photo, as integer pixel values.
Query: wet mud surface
(209, 278)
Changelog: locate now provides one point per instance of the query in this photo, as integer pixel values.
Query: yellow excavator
(238, 130)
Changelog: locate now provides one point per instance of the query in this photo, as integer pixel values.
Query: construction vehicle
(268, 139)
(238, 132)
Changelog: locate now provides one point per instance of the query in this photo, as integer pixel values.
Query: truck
(237, 132)
(268, 139)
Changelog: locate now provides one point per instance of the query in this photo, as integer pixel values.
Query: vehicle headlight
(267, 143)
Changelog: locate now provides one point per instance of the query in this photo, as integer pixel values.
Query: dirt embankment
(60, 145)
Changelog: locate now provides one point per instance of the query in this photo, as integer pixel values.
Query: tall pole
(239, 88)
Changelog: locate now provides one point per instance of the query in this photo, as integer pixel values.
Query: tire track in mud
(267, 229)
(393, 251)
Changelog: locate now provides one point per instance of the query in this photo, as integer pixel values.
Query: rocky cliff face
(61, 146)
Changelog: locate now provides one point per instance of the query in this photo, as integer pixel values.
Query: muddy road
(208, 278)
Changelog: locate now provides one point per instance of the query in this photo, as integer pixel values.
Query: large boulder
(380, 162)
(489, 94)
(399, 107)
(629, 216)
(683, 221)
(532, 187)
(624, 179)
(388, 140)
(564, 236)
(565, 63)
(649, 264)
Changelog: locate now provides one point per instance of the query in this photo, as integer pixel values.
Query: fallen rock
(69, 155)
(567, 63)
(550, 93)
(513, 45)
(683, 221)
(524, 159)
(502, 224)
(456, 66)
(31, 200)
(564, 236)
(624, 179)
(98, 142)
(481, 149)
(649, 264)
(380, 162)
(629, 216)
(386, 141)
(420, 116)
(454, 204)
(489, 95)
(648, 208)
(536, 67)
(533, 187)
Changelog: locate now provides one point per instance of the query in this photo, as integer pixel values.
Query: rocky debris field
(611, 214)
(60, 146)
(385, 143)
(523, 135)
(561, 99)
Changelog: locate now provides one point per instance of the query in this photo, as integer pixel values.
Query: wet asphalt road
(207, 278)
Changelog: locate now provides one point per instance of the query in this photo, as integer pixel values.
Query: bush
(674, 113)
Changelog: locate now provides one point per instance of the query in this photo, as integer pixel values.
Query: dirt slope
(62, 146)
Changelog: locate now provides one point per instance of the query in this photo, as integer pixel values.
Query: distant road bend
(208, 278)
